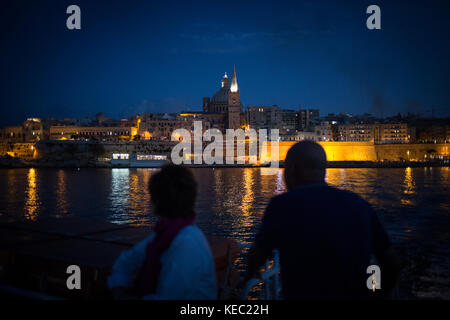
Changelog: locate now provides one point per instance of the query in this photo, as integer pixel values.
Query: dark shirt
(325, 237)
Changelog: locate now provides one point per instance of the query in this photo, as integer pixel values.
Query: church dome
(221, 96)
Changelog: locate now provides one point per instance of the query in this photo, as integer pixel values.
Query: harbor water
(412, 203)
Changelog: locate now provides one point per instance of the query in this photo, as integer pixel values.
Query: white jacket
(187, 268)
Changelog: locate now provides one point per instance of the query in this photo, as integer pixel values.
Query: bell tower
(234, 103)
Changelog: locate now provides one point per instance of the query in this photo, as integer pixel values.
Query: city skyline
(226, 151)
(149, 57)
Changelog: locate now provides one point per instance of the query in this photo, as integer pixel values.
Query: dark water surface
(412, 203)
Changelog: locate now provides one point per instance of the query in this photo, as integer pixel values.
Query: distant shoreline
(11, 163)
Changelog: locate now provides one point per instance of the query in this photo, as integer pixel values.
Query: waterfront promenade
(339, 154)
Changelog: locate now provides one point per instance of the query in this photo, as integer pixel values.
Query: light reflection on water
(32, 199)
(231, 202)
(129, 197)
(413, 203)
(62, 201)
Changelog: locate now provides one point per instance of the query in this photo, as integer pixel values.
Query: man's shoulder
(351, 196)
(322, 191)
(295, 194)
(307, 191)
(279, 200)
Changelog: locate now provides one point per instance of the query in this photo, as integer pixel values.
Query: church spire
(234, 85)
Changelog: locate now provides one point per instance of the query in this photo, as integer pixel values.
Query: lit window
(120, 156)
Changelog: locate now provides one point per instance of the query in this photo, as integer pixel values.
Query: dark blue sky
(137, 56)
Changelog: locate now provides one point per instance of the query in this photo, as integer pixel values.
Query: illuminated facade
(161, 126)
(323, 131)
(209, 119)
(376, 133)
(31, 130)
(92, 133)
(391, 133)
(273, 117)
(356, 132)
(264, 117)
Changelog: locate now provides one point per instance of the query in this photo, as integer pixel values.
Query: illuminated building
(378, 133)
(161, 126)
(30, 130)
(226, 101)
(356, 132)
(92, 133)
(273, 117)
(264, 117)
(391, 133)
(209, 119)
(323, 131)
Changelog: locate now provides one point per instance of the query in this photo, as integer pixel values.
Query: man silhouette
(325, 236)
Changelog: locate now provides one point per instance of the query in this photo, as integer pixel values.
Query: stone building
(96, 133)
(227, 101)
(391, 133)
(356, 132)
(31, 130)
(307, 118)
(434, 134)
(273, 117)
(378, 133)
(323, 131)
(161, 126)
(264, 117)
(289, 121)
(209, 120)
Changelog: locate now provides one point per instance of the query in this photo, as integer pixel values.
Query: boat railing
(268, 281)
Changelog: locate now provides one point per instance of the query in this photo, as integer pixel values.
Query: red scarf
(166, 230)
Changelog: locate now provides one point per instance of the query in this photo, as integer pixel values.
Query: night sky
(136, 56)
